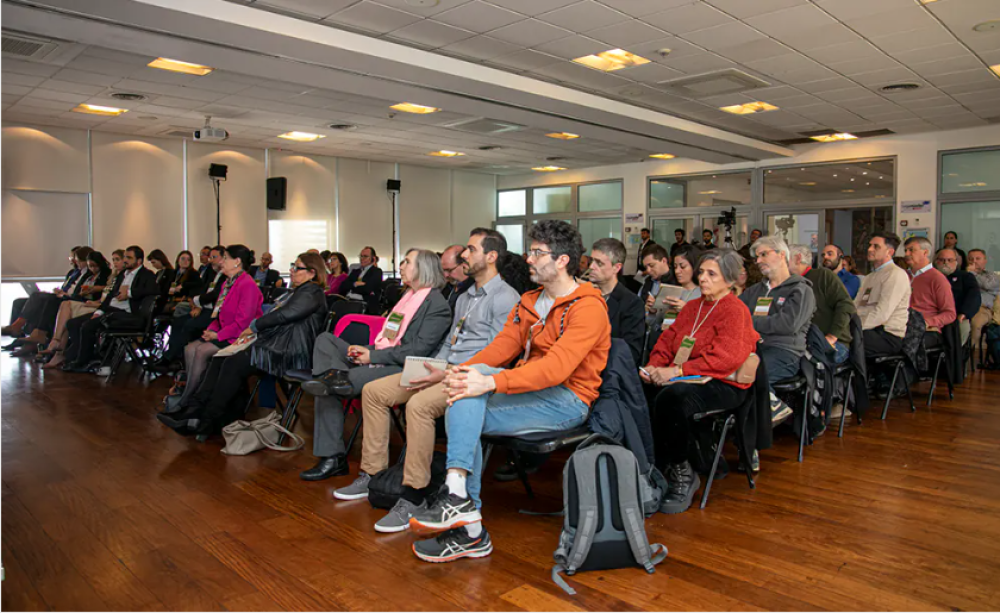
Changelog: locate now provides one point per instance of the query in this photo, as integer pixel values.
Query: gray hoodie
(791, 312)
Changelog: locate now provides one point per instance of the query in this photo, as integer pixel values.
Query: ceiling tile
(431, 33)
(741, 9)
(373, 17)
(72, 87)
(962, 16)
(425, 11)
(796, 19)
(526, 60)
(478, 16)
(845, 52)
(688, 18)
(930, 54)
(529, 33)
(757, 50)
(878, 78)
(311, 8)
(677, 47)
(650, 73)
(963, 77)
(28, 68)
(572, 47)
(57, 96)
(584, 16)
(627, 33)
(904, 41)
(861, 66)
(481, 48)
(532, 7)
(642, 8)
(845, 10)
(946, 66)
(697, 64)
(825, 85)
(891, 22)
(90, 78)
(19, 79)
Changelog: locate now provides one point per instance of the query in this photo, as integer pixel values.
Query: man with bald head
(964, 288)
(263, 275)
(454, 274)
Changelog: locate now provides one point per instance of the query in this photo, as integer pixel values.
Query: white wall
(46, 158)
(916, 167)
(243, 198)
(425, 208)
(468, 192)
(365, 209)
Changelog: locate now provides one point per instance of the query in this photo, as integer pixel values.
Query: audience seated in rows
(564, 334)
(163, 268)
(415, 327)
(191, 317)
(834, 260)
(365, 282)
(679, 241)
(336, 266)
(457, 282)
(951, 242)
(712, 337)
(782, 306)
(272, 344)
(930, 291)
(834, 306)
(207, 270)
(263, 275)
(480, 314)
(989, 292)
(656, 263)
(964, 289)
(625, 310)
(883, 299)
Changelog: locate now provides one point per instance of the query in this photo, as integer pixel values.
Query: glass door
(797, 228)
(850, 229)
(514, 233)
(663, 230)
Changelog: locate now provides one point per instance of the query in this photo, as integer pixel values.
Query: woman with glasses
(275, 343)
(337, 273)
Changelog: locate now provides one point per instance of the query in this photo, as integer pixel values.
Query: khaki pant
(422, 408)
(979, 321)
(79, 309)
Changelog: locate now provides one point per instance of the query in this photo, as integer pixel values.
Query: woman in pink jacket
(239, 303)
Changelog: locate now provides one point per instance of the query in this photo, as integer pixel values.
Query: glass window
(971, 171)
(593, 229)
(830, 182)
(730, 189)
(600, 197)
(514, 233)
(513, 203)
(977, 225)
(663, 230)
(287, 238)
(796, 229)
(552, 200)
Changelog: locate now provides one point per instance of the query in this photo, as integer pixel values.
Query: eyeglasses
(536, 253)
(292, 266)
(448, 271)
(765, 253)
(364, 257)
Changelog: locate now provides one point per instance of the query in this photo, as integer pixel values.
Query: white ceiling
(825, 60)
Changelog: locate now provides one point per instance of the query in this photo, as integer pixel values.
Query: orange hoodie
(575, 359)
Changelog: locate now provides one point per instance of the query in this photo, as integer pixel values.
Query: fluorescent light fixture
(178, 66)
(548, 168)
(847, 191)
(663, 156)
(93, 109)
(302, 137)
(563, 135)
(833, 137)
(996, 69)
(808, 183)
(976, 184)
(709, 192)
(444, 153)
(419, 109)
(749, 108)
(609, 61)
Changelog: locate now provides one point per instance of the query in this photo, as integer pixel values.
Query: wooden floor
(103, 508)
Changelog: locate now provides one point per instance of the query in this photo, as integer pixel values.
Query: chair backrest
(148, 309)
(342, 308)
(372, 323)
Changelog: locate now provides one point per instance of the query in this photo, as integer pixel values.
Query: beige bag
(245, 437)
(747, 372)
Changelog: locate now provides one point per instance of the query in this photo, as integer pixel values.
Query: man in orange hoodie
(562, 334)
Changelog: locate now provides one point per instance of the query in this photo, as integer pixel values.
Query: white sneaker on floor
(103, 371)
(779, 410)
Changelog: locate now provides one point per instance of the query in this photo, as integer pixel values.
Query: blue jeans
(843, 352)
(548, 410)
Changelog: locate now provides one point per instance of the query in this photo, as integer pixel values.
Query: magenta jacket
(241, 306)
(334, 283)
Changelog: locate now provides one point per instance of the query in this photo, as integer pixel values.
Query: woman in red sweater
(713, 336)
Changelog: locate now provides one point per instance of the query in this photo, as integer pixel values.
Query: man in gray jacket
(782, 306)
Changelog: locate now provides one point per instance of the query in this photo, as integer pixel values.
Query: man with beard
(964, 288)
(454, 274)
(745, 249)
(563, 332)
(833, 259)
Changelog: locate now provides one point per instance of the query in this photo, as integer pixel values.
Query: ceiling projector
(210, 134)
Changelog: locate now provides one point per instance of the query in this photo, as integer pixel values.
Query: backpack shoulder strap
(633, 518)
(585, 468)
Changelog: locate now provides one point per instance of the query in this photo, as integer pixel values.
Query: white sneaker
(779, 410)
(103, 371)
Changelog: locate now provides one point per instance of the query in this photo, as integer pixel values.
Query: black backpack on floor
(603, 522)
(386, 487)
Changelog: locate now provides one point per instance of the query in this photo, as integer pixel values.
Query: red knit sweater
(932, 296)
(722, 344)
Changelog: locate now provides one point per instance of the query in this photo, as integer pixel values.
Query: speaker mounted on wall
(277, 188)
(218, 171)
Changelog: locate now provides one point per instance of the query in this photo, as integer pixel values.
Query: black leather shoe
(333, 466)
(330, 383)
(13, 345)
(181, 426)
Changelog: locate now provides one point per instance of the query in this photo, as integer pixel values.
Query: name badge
(458, 330)
(684, 352)
(668, 320)
(392, 325)
(763, 307)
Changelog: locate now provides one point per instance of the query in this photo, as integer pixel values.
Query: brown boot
(15, 328)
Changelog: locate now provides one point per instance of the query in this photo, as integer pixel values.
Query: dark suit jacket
(144, 284)
(207, 275)
(164, 279)
(642, 246)
(270, 280)
(628, 319)
(965, 289)
(371, 291)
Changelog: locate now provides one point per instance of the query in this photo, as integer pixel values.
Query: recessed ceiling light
(833, 137)
(178, 66)
(609, 61)
(419, 109)
(996, 69)
(93, 109)
(563, 135)
(711, 191)
(749, 108)
(548, 168)
(847, 191)
(663, 156)
(444, 153)
(987, 26)
(302, 137)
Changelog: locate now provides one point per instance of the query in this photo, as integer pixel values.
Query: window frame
(574, 215)
(944, 199)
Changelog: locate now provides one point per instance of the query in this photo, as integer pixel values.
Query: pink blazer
(241, 306)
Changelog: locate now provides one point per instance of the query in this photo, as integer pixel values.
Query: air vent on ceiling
(555, 158)
(343, 127)
(21, 45)
(899, 87)
(481, 125)
(178, 132)
(128, 96)
(489, 147)
(728, 81)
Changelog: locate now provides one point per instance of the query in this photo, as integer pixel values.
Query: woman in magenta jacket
(239, 303)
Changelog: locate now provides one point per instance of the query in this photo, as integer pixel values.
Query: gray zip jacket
(791, 312)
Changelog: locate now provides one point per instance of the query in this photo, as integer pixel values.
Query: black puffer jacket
(285, 336)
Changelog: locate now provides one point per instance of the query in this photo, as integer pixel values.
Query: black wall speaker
(276, 190)
(218, 171)
(393, 185)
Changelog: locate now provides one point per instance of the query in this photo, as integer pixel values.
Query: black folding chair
(342, 307)
(132, 342)
(848, 369)
(897, 362)
(535, 443)
(798, 383)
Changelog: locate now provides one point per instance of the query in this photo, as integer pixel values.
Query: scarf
(407, 307)
(224, 293)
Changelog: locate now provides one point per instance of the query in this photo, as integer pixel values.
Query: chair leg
(892, 388)
(398, 424)
(486, 455)
(937, 370)
(715, 462)
(291, 412)
(519, 466)
(847, 402)
(253, 395)
(354, 432)
(810, 394)
(747, 460)
(909, 392)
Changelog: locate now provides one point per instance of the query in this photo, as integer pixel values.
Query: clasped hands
(659, 376)
(466, 382)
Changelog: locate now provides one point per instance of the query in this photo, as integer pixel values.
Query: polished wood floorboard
(105, 509)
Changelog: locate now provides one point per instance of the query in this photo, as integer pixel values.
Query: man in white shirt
(989, 289)
(883, 300)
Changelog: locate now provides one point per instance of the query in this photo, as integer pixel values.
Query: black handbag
(386, 487)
